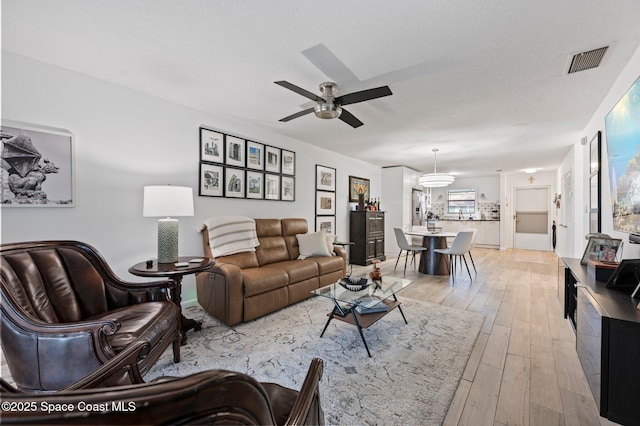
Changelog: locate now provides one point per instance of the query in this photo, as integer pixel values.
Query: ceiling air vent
(587, 60)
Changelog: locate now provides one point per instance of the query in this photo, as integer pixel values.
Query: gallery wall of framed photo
(325, 199)
(234, 167)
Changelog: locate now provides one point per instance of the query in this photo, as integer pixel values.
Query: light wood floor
(524, 369)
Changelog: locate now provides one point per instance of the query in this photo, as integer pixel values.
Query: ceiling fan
(330, 106)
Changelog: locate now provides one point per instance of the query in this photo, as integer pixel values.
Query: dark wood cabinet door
(366, 230)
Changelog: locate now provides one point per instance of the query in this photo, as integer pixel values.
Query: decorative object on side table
(166, 201)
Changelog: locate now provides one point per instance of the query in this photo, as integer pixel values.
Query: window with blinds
(461, 200)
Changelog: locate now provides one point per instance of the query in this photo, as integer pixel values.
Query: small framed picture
(325, 178)
(211, 146)
(255, 185)
(211, 180)
(255, 155)
(288, 192)
(272, 161)
(288, 162)
(325, 203)
(234, 151)
(358, 186)
(234, 182)
(271, 187)
(326, 223)
(601, 249)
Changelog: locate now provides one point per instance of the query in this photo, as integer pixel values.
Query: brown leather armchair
(209, 397)
(65, 313)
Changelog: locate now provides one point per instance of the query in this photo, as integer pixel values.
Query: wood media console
(607, 327)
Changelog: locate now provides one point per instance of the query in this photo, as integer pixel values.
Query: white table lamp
(166, 201)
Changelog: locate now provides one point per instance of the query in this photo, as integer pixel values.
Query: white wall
(125, 140)
(397, 185)
(581, 156)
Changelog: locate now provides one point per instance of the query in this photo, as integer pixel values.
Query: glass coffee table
(363, 307)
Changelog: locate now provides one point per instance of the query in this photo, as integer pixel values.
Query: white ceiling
(483, 81)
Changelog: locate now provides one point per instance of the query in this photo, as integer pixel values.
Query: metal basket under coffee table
(347, 303)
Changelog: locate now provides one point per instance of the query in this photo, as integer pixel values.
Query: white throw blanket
(231, 234)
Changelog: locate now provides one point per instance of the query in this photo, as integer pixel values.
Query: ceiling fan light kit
(327, 109)
(435, 179)
(328, 106)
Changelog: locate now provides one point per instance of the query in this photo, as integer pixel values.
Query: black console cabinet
(607, 326)
(366, 230)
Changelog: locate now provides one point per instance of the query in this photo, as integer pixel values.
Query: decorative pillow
(330, 240)
(312, 244)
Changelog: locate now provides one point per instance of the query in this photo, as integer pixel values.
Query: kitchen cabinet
(492, 233)
(366, 230)
(488, 232)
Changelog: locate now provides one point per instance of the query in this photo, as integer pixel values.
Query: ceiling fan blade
(297, 114)
(363, 95)
(320, 56)
(350, 119)
(299, 90)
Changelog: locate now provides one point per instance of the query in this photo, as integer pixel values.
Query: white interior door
(532, 230)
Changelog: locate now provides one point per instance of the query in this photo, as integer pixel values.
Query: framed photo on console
(603, 249)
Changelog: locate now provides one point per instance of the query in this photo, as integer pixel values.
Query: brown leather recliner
(244, 286)
(209, 397)
(65, 313)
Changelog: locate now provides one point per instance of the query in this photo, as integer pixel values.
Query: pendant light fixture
(435, 179)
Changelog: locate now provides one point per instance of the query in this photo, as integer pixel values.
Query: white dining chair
(459, 247)
(473, 243)
(403, 244)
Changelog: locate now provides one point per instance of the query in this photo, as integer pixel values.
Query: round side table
(153, 269)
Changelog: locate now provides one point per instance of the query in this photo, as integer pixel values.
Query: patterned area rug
(531, 256)
(410, 379)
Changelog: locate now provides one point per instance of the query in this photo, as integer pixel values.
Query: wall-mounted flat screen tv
(622, 127)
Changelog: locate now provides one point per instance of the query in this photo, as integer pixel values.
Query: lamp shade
(167, 200)
(435, 180)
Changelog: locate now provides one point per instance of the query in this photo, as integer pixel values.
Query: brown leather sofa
(65, 313)
(208, 397)
(244, 286)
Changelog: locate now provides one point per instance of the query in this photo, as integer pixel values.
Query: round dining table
(432, 262)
